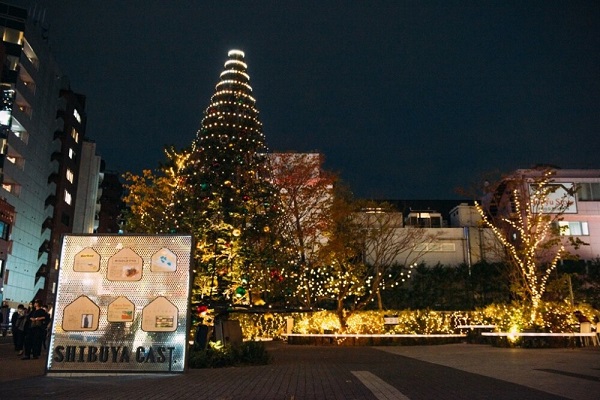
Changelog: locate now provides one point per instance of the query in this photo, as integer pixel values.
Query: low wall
(373, 340)
(540, 339)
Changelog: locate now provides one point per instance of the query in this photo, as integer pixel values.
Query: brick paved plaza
(456, 371)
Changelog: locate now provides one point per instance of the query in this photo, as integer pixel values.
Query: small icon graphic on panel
(159, 316)
(164, 260)
(81, 315)
(126, 265)
(120, 310)
(87, 260)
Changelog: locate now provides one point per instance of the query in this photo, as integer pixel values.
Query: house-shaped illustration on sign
(120, 310)
(126, 265)
(87, 260)
(164, 260)
(81, 315)
(160, 315)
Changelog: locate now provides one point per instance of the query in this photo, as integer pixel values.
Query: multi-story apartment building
(30, 84)
(70, 134)
(42, 124)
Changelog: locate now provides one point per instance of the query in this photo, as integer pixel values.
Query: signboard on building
(559, 200)
(121, 304)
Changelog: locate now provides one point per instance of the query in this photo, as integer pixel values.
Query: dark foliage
(463, 288)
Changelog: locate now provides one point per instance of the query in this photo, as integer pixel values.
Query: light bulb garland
(233, 202)
(534, 235)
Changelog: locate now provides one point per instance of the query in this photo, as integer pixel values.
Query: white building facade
(38, 171)
(465, 240)
(30, 91)
(88, 194)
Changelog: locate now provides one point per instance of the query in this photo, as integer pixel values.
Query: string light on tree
(226, 196)
(528, 228)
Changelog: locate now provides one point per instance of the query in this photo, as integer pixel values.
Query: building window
(25, 109)
(30, 54)
(12, 36)
(5, 117)
(75, 135)
(76, 115)
(437, 247)
(12, 62)
(69, 175)
(67, 197)
(23, 135)
(65, 219)
(12, 188)
(4, 229)
(573, 228)
(30, 85)
(424, 220)
(588, 191)
(19, 162)
(71, 154)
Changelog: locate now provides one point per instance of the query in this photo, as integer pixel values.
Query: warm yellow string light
(534, 227)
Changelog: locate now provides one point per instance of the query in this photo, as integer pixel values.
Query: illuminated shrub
(552, 317)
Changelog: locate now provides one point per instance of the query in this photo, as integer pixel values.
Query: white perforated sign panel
(121, 304)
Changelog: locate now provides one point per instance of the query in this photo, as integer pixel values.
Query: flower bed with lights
(416, 326)
(363, 328)
(553, 323)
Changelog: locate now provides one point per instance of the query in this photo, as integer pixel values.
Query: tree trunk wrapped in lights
(524, 211)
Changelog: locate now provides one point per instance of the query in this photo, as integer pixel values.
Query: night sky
(406, 100)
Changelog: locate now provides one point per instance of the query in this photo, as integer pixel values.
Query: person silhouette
(38, 322)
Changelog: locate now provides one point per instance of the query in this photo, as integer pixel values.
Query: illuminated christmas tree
(224, 195)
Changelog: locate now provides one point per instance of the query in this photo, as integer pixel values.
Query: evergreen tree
(226, 198)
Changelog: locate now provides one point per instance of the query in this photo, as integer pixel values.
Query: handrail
(357, 335)
(568, 334)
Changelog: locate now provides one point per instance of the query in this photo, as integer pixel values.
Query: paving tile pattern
(297, 372)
